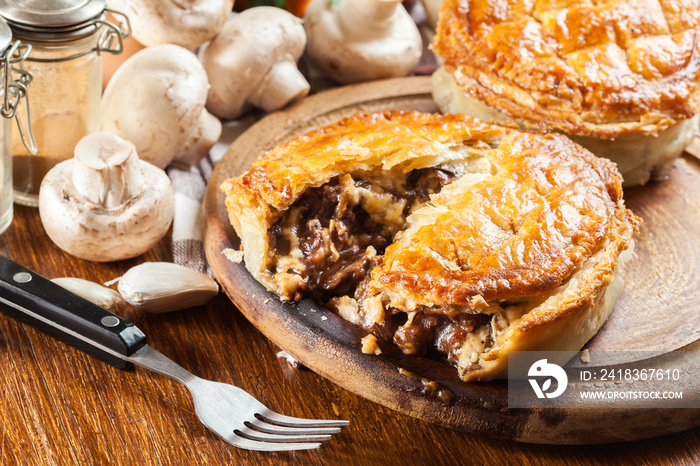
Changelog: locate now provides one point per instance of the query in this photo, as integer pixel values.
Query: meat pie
(440, 234)
(621, 77)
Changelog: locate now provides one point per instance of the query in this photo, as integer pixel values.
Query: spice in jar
(67, 40)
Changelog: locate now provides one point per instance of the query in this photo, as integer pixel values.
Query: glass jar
(67, 39)
(13, 92)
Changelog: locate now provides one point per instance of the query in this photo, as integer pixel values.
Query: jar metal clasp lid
(15, 85)
(110, 40)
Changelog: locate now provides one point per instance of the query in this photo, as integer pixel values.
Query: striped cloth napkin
(190, 183)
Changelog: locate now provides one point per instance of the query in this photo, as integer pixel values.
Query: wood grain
(662, 295)
(661, 298)
(61, 407)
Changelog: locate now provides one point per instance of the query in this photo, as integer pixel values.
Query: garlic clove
(100, 295)
(160, 287)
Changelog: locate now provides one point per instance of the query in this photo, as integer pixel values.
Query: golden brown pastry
(440, 233)
(626, 71)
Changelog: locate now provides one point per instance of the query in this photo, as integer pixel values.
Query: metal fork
(230, 412)
(237, 417)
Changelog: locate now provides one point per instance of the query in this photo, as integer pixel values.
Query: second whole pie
(619, 77)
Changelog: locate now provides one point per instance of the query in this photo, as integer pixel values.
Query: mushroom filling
(327, 242)
(330, 235)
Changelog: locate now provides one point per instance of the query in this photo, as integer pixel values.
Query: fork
(228, 411)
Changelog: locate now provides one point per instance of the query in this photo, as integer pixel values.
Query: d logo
(542, 368)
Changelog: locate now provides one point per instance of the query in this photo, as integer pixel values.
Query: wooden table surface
(59, 406)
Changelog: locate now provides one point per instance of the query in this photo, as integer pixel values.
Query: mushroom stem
(107, 170)
(105, 204)
(281, 85)
(359, 15)
(205, 136)
(252, 62)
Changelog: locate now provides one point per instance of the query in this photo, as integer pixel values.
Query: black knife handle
(32, 299)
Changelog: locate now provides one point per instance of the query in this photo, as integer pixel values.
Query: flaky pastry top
(525, 211)
(519, 232)
(597, 68)
(390, 141)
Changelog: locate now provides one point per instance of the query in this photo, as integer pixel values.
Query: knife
(50, 308)
(230, 412)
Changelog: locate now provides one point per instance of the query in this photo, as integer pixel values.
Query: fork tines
(271, 431)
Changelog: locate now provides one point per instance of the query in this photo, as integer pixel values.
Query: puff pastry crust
(439, 232)
(588, 68)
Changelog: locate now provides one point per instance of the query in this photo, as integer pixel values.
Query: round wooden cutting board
(658, 309)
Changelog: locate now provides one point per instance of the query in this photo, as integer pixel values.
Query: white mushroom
(361, 40)
(188, 23)
(105, 204)
(253, 62)
(156, 99)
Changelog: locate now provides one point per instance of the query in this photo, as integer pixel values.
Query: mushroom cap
(156, 99)
(352, 49)
(188, 23)
(240, 57)
(90, 231)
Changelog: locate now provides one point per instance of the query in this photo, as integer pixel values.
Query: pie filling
(326, 244)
